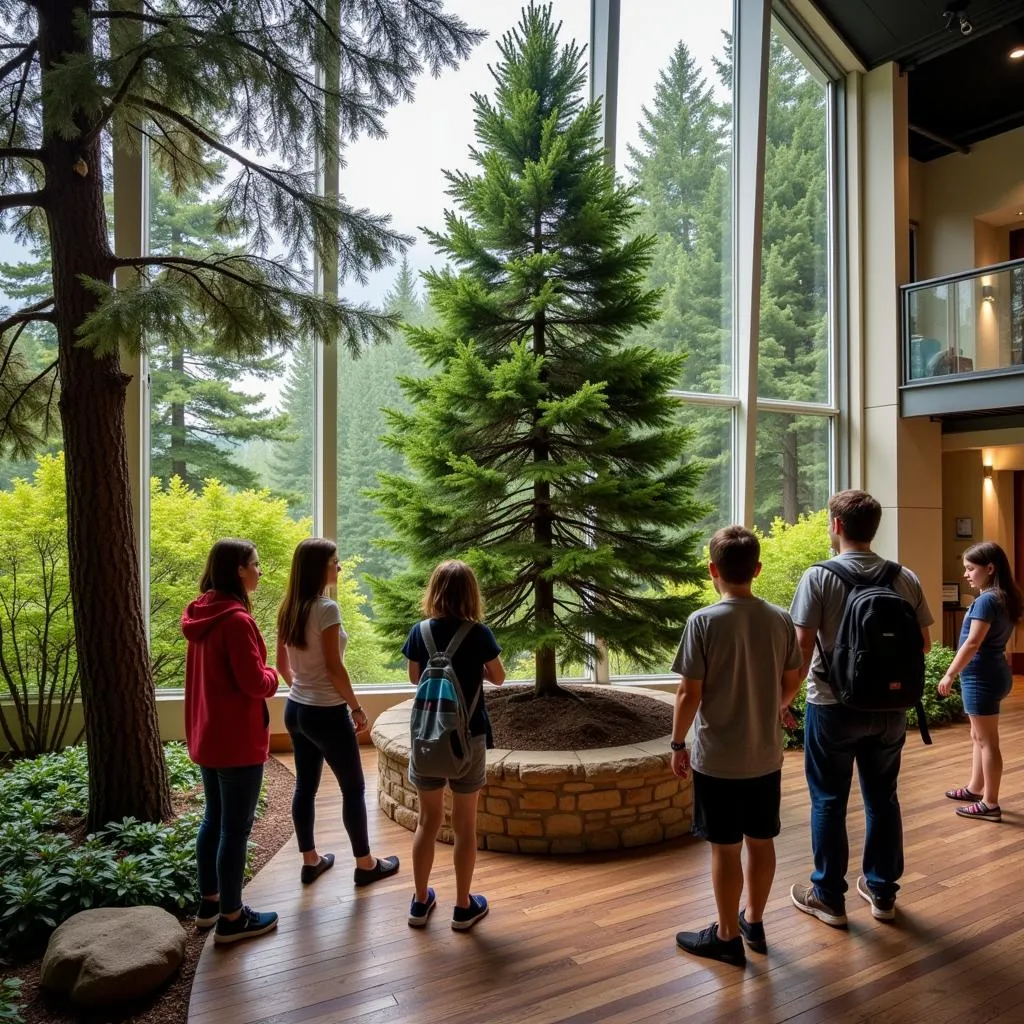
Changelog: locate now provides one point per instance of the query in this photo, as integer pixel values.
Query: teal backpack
(439, 727)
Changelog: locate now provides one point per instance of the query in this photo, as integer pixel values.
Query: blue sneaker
(463, 918)
(250, 924)
(419, 912)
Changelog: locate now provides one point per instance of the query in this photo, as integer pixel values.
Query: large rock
(107, 956)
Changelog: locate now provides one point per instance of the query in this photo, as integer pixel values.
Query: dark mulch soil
(170, 1004)
(603, 718)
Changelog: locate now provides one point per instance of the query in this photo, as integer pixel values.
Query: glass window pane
(231, 450)
(674, 140)
(793, 357)
(792, 466)
(404, 174)
(712, 443)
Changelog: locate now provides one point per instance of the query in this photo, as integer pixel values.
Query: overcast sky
(403, 174)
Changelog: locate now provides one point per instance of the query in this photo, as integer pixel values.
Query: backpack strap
(460, 634)
(922, 724)
(449, 652)
(428, 638)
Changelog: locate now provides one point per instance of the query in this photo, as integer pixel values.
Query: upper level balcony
(963, 342)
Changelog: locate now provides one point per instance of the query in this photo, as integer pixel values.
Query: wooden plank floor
(586, 939)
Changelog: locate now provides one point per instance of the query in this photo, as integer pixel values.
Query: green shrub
(786, 552)
(10, 1005)
(45, 877)
(938, 710)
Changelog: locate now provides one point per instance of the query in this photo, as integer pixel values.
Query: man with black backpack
(862, 624)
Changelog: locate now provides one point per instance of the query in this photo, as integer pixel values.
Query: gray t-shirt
(739, 647)
(819, 601)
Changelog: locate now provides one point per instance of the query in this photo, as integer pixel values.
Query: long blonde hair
(306, 582)
(453, 593)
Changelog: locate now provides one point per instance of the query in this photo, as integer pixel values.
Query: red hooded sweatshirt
(227, 682)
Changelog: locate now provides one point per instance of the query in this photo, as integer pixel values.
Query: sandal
(982, 810)
(963, 794)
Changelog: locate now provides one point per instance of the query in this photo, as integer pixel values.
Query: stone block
(642, 833)
(537, 800)
(605, 839)
(563, 825)
(656, 805)
(622, 814)
(615, 762)
(534, 846)
(567, 803)
(602, 800)
(519, 827)
(490, 823)
(405, 817)
(106, 956)
(501, 792)
(667, 790)
(629, 783)
(497, 806)
(684, 799)
(502, 844)
(671, 815)
(598, 825)
(567, 846)
(679, 828)
(636, 797)
(578, 787)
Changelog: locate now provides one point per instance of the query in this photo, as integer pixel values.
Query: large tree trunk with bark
(127, 776)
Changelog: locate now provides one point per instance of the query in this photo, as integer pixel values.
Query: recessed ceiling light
(1017, 53)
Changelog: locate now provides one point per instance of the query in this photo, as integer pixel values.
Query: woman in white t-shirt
(310, 657)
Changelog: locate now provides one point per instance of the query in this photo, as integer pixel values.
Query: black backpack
(877, 662)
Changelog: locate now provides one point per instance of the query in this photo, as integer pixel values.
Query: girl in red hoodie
(227, 726)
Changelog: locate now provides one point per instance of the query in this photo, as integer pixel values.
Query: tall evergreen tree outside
(193, 76)
(544, 450)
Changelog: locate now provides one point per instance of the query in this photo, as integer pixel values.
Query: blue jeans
(835, 738)
(326, 734)
(231, 796)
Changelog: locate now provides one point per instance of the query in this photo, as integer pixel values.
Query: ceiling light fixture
(1017, 53)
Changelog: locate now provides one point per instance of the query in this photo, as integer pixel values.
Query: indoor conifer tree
(542, 447)
(264, 85)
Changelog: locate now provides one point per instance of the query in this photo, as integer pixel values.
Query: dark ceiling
(963, 88)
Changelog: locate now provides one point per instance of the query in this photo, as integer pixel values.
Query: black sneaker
(207, 914)
(706, 943)
(419, 912)
(384, 867)
(753, 933)
(311, 872)
(883, 908)
(805, 898)
(463, 918)
(250, 924)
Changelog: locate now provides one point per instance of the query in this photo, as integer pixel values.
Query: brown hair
(735, 552)
(859, 513)
(226, 557)
(988, 553)
(306, 582)
(453, 593)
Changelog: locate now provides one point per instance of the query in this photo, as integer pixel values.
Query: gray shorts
(472, 779)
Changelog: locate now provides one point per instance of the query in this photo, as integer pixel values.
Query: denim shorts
(983, 692)
(473, 778)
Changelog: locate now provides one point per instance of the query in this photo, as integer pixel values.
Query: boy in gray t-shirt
(740, 665)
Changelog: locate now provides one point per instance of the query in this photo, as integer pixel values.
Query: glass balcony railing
(969, 323)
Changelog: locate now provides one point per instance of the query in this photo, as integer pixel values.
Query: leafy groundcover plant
(48, 873)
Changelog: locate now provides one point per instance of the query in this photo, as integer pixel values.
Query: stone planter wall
(552, 801)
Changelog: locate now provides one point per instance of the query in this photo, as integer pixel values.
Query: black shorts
(726, 810)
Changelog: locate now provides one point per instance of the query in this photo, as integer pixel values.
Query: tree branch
(16, 199)
(24, 57)
(20, 153)
(29, 313)
(118, 98)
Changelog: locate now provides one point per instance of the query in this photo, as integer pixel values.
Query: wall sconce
(986, 472)
(988, 293)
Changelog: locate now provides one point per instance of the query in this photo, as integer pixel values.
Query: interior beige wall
(961, 497)
(953, 190)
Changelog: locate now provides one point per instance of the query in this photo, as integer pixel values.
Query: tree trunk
(179, 465)
(790, 475)
(127, 775)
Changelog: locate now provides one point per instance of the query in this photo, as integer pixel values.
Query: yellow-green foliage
(786, 552)
(183, 526)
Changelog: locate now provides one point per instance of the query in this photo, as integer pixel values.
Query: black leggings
(326, 734)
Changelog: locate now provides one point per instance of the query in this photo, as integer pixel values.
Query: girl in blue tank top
(985, 675)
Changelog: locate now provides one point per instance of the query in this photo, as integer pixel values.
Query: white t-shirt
(310, 683)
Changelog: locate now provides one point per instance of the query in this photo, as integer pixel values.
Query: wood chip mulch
(170, 1004)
